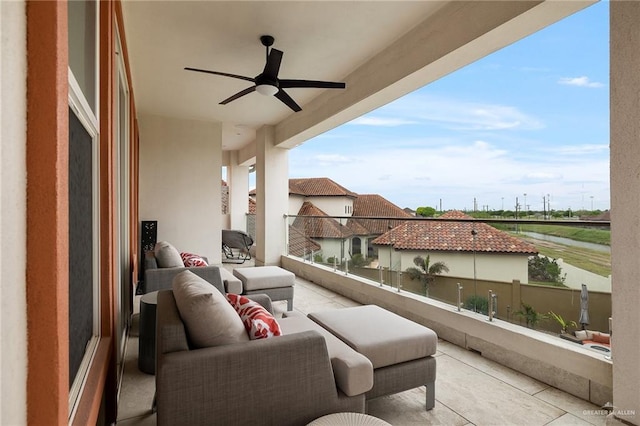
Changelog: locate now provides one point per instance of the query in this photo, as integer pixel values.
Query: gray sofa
(156, 278)
(315, 368)
(288, 380)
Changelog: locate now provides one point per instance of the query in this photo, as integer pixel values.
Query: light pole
(525, 205)
(475, 282)
(591, 203)
(549, 205)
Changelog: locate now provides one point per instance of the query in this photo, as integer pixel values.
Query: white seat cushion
(264, 277)
(209, 318)
(353, 372)
(380, 335)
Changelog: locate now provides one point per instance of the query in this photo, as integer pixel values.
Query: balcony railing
(486, 275)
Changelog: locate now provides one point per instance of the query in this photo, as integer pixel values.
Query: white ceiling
(321, 40)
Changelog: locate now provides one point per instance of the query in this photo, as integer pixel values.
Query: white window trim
(90, 121)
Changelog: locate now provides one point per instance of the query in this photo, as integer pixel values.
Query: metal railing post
(459, 305)
(490, 305)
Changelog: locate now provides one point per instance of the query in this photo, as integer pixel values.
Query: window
(84, 291)
(123, 193)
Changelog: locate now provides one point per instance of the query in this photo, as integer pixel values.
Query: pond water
(568, 242)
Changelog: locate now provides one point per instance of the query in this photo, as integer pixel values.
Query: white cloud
(456, 172)
(586, 149)
(580, 82)
(454, 114)
(542, 176)
(329, 159)
(381, 121)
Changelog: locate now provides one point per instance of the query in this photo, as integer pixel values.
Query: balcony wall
(562, 301)
(547, 358)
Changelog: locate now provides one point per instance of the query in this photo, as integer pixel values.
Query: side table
(147, 333)
(345, 419)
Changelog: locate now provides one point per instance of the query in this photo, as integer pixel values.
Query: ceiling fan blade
(272, 67)
(312, 84)
(240, 77)
(287, 100)
(239, 95)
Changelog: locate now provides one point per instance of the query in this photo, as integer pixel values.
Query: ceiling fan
(267, 83)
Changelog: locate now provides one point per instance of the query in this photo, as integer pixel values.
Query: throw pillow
(581, 334)
(601, 338)
(258, 322)
(208, 317)
(167, 256)
(190, 260)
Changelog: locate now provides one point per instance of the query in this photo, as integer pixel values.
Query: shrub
(477, 303)
(542, 268)
(357, 260)
(426, 211)
(530, 315)
(318, 258)
(332, 259)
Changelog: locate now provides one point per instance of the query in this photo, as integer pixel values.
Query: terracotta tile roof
(377, 206)
(252, 206)
(314, 227)
(357, 228)
(299, 244)
(443, 235)
(318, 186)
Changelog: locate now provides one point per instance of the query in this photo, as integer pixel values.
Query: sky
(532, 118)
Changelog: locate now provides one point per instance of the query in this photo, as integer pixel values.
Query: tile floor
(470, 390)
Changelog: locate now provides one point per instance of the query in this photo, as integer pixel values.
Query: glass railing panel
(491, 270)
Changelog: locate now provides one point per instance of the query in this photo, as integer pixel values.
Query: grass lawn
(547, 283)
(588, 235)
(589, 260)
(583, 258)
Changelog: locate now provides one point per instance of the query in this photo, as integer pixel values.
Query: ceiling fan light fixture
(266, 89)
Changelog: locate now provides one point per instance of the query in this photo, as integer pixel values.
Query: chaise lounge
(288, 380)
(161, 266)
(315, 368)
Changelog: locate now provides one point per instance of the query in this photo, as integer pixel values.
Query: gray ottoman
(273, 281)
(400, 350)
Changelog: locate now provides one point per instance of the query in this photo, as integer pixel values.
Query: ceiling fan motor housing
(267, 83)
(267, 40)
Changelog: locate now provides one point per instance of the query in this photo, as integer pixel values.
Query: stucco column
(13, 210)
(238, 180)
(272, 197)
(625, 205)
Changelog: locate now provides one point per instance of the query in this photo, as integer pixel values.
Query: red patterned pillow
(260, 324)
(190, 260)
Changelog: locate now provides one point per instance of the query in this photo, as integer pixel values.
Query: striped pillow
(190, 260)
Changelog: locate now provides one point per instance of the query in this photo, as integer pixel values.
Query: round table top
(355, 419)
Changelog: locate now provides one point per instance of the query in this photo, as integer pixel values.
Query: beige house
(342, 222)
(468, 249)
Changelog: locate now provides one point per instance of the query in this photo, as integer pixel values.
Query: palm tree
(426, 272)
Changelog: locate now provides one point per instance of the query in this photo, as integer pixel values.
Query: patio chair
(236, 246)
